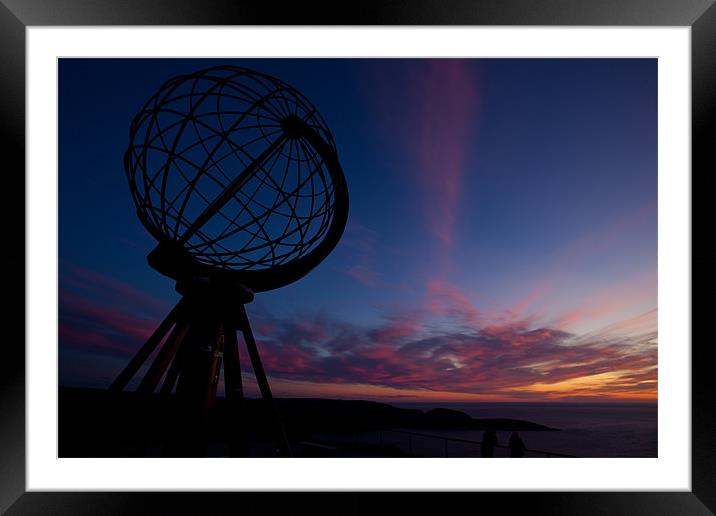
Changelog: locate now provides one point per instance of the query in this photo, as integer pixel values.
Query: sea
(585, 429)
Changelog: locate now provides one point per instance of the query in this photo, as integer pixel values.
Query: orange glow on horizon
(588, 387)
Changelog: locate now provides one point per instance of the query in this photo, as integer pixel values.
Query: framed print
(440, 249)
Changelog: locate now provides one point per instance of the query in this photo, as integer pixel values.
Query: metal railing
(456, 439)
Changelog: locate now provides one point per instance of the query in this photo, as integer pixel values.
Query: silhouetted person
(489, 441)
(517, 447)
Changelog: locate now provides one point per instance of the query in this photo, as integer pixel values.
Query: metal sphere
(239, 170)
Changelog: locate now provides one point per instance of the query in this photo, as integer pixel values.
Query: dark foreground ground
(98, 423)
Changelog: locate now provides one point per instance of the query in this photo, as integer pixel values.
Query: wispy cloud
(612, 301)
(489, 359)
(448, 94)
(502, 361)
(89, 326)
(364, 275)
(427, 111)
(107, 289)
(600, 241)
(360, 239)
(447, 299)
(100, 314)
(362, 243)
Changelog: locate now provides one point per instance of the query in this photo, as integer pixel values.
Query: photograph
(358, 257)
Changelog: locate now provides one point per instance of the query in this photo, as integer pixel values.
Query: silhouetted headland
(101, 423)
(357, 414)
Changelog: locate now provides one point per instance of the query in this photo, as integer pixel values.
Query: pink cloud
(364, 275)
(360, 238)
(110, 289)
(428, 111)
(91, 327)
(613, 300)
(508, 360)
(642, 324)
(446, 299)
(605, 237)
(503, 360)
(399, 325)
(447, 92)
(518, 308)
(588, 245)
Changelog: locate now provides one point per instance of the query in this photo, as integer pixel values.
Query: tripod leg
(184, 434)
(232, 366)
(151, 379)
(174, 370)
(234, 392)
(161, 362)
(195, 389)
(261, 378)
(152, 342)
(214, 368)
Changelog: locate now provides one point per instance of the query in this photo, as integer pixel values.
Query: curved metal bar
(275, 220)
(230, 190)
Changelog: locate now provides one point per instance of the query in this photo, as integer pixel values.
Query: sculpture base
(197, 337)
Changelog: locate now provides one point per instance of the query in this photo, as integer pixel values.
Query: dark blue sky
(494, 202)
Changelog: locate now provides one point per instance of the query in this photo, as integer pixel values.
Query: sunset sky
(501, 243)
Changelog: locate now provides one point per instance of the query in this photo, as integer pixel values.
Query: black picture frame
(16, 15)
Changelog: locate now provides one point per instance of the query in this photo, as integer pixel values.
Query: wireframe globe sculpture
(236, 174)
